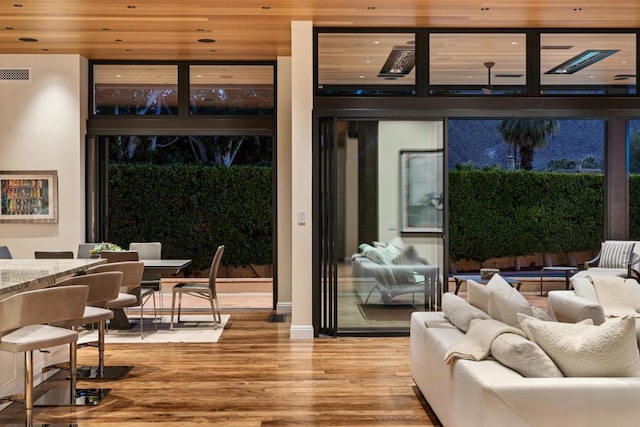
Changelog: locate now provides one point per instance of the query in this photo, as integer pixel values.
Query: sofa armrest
(566, 306)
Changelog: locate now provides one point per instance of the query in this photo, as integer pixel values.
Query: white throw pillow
(524, 357)
(478, 295)
(634, 290)
(498, 285)
(540, 314)
(582, 350)
(506, 309)
(460, 312)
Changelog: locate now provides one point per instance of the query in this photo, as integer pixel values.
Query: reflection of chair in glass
(201, 290)
(132, 277)
(84, 250)
(23, 327)
(150, 280)
(53, 255)
(5, 253)
(103, 288)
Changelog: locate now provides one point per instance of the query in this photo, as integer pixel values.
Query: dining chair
(150, 280)
(131, 293)
(84, 250)
(53, 254)
(103, 287)
(201, 290)
(5, 253)
(119, 256)
(24, 319)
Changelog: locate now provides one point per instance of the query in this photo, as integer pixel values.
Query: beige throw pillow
(498, 285)
(506, 309)
(460, 312)
(582, 350)
(478, 295)
(524, 357)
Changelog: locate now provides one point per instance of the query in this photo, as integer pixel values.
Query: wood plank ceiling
(255, 30)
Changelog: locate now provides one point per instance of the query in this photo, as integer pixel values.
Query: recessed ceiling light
(371, 7)
(577, 9)
(200, 30)
(266, 7)
(17, 5)
(199, 76)
(106, 29)
(8, 28)
(118, 75)
(484, 9)
(45, 50)
(362, 77)
(367, 61)
(128, 50)
(212, 50)
(28, 39)
(376, 42)
(624, 62)
(514, 42)
(206, 41)
(470, 77)
(118, 40)
(131, 6)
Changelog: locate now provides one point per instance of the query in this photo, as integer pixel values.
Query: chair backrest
(53, 254)
(103, 287)
(131, 273)
(213, 272)
(147, 250)
(84, 250)
(119, 256)
(42, 306)
(5, 253)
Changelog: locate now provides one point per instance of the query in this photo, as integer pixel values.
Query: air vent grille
(13, 74)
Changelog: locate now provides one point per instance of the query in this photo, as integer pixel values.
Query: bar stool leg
(28, 387)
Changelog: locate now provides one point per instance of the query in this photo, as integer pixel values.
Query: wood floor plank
(254, 376)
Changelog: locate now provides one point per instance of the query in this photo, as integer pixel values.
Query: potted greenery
(104, 246)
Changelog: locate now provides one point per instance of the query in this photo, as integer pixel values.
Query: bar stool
(103, 288)
(23, 327)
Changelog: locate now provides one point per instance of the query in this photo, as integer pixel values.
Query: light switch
(302, 217)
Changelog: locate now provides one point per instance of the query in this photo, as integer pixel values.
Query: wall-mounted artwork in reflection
(29, 196)
(422, 191)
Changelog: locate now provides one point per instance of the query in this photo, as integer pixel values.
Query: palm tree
(527, 135)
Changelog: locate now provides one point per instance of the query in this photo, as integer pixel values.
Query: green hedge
(192, 210)
(496, 213)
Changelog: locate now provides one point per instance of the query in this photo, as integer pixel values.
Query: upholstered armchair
(616, 257)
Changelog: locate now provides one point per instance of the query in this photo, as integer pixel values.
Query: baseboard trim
(301, 331)
(284, 307)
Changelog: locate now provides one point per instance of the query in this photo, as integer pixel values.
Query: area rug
(387, 313)
(191, 329)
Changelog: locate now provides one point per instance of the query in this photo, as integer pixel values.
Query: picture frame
(28, 196)
(422, 191)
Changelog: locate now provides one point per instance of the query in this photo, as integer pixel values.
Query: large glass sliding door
(382, 221)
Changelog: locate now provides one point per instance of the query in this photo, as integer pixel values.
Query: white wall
(301, 172)
(284, 184)
(394, 136)
(43, 128)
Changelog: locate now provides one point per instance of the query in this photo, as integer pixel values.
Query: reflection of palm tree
(433, 199)
(527, 135)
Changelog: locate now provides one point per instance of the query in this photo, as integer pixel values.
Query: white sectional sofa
(487, 393)
(470, 393)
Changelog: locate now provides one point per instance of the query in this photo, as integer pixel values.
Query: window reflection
(469, 64)
(135, 89)
(588, 64)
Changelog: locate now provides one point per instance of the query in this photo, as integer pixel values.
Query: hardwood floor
(254, 376)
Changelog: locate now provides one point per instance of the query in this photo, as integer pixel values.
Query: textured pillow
(523, 356)
(459, 312)
(478, 295)
(506, 309)
(615, 254)
(582, 350)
